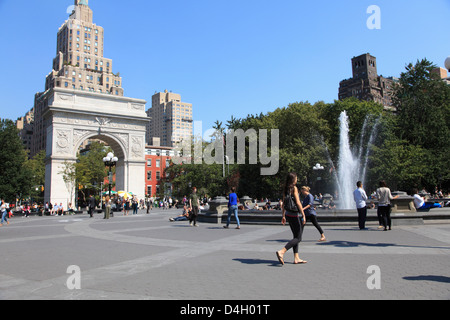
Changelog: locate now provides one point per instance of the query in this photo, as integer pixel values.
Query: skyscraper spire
(82, 11)
(82, 2)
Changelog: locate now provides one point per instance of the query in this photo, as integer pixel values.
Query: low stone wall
(330, 217)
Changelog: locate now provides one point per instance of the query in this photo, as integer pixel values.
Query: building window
(149, 175)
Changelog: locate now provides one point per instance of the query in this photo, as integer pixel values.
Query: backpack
(289, 203)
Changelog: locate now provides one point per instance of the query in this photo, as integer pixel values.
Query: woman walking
(4, 212)
(233, 208)
(292, 208)
(384, 204)
(310, 211)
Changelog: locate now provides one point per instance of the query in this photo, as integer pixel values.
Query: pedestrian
(291, 210)
(107, 208)
(26, 210)
(91, 206)
(135, 205)
(193, 207)
(233, 208)
(360, 197)
(126, 206)
(4, 212)
(310, 211)
(384, 204)
(148, 204)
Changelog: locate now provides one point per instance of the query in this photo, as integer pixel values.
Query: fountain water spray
(351, 168)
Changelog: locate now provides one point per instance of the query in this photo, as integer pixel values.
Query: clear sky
(226, 57)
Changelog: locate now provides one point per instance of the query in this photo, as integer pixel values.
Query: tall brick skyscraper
(79, 65)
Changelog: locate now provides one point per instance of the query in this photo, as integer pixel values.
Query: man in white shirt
(360, 197)
(420, 203)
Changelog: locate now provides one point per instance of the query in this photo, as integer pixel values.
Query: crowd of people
(191, 206)
(297, 206)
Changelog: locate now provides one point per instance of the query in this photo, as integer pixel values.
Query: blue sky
(225, 57)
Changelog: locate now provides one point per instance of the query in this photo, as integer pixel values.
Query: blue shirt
(309, 200)
(232, 201)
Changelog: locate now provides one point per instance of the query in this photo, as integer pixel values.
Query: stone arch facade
(73, 117)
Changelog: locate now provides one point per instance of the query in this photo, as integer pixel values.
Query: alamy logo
(232, 144)
(374, 21)
(374, 280)
(74, 281)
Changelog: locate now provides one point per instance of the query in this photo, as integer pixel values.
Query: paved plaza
(148, 257)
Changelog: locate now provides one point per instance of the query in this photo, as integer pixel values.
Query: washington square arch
(73, 117)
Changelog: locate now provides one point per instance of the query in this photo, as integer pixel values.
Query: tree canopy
(16, 178)
(410, 149)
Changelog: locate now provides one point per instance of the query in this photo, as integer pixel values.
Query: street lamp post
(447, 63)
(110, 162)
(318, 167)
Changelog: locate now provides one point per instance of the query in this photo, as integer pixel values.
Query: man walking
(193, 205)
(91, 206)
(360, 197)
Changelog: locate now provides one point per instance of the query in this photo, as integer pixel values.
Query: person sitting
(60, 210)
(246, 206)
(182, 217)
(256, 207)
(70, 209)
(420, 204)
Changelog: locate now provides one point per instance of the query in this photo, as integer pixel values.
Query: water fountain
(351, 167)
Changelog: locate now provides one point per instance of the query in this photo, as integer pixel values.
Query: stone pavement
(148, 257)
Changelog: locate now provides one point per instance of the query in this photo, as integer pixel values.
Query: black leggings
(385, 214)
(297, 231)
(193, 216)
(313, 219)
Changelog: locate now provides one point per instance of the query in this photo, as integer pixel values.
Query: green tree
(90, 169)
(36, 167)
(16, 178)
(423, 106)
(422, 100)
(401, 164)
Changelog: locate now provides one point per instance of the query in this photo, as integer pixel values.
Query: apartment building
(171, 119)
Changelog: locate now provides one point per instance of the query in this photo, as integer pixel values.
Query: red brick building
(157, 158)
